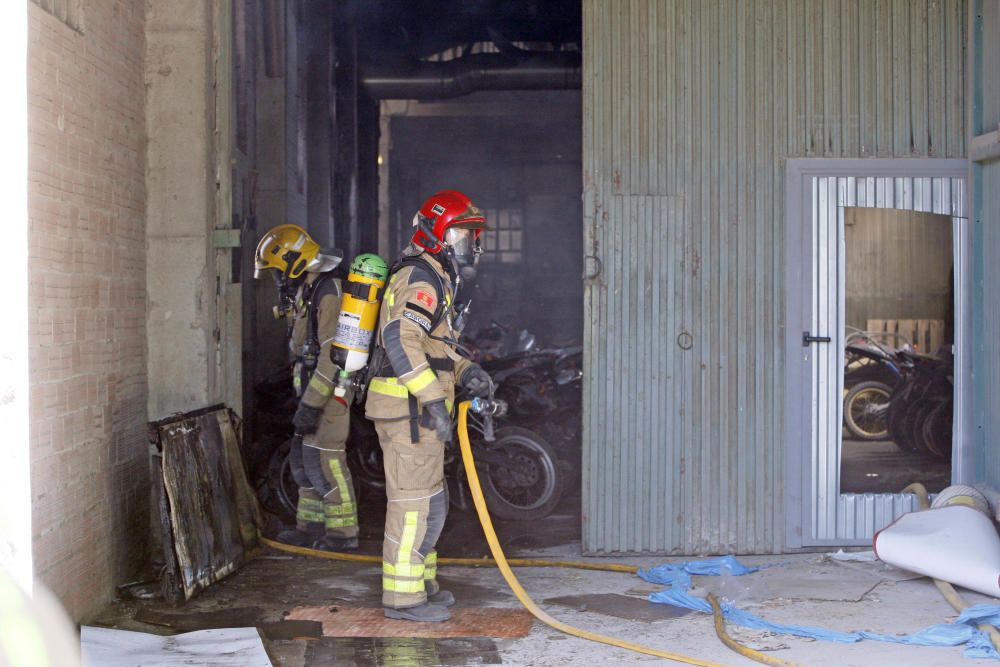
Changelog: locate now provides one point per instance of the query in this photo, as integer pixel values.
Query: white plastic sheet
(957, 544)
(228, 647)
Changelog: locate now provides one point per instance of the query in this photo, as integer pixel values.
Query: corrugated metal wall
(898, 266)
(985, 57)
(690, 109)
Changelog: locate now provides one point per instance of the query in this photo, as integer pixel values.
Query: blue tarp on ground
(678, 576)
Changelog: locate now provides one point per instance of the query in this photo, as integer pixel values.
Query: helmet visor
(462, 241)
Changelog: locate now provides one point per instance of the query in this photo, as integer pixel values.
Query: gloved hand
(437, 417)
(476, 381)
(306, 419)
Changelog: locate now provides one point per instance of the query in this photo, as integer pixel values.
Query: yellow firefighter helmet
(290, 250)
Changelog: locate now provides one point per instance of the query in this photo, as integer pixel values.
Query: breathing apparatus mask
(287, 290)
(458, 252)
(462, 244)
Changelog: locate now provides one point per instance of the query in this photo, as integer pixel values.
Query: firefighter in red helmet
(416, 368)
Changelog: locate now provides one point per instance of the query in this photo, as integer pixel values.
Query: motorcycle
(542, 387)
(872, 371)
(544, 392)
(520, 472)
(498, 341)
(921, 407)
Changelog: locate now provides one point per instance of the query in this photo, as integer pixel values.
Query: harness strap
(446, 365)
(364, 291)
(312, 296)
(414, 419)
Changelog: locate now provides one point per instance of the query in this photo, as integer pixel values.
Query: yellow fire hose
(500, 560)
(720, 630)
(465, 562)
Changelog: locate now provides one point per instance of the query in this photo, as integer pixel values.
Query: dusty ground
(808, 589)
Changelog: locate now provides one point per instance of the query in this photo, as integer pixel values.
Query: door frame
(798, 313)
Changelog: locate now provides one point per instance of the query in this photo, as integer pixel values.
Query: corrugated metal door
(633, 308)
(817, 308)
(984, 151)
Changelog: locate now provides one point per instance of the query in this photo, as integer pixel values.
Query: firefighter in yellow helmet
(309, 297)
(415, 367)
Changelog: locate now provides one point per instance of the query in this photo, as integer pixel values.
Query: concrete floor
(808, 589)
(880, 467)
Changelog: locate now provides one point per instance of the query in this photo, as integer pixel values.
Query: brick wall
(88, 293)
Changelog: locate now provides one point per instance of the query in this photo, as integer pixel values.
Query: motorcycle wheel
(937, 431)
(913, 422)
(282, 483)
(531, 486)
(866, 409)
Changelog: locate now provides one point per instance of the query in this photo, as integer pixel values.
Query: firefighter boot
(433, 589)
(305, 536)
(309, 520)
(332, 543)
(426, 613)
(442, 597)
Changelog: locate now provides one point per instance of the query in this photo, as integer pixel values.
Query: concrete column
(181, 203)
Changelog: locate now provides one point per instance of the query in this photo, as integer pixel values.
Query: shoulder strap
(421, 265)
(319, 288)
(378, 361)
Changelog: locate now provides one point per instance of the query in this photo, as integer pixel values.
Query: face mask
(466, 249)
(287, 290)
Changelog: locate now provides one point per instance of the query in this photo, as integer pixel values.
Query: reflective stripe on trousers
(404, 576)
(344, 513)
(309, 509)
(431, 565)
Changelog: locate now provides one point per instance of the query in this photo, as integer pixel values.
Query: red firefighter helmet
(445, 210)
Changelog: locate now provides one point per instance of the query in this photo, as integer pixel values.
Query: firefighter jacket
(317, 307)
(420, 366)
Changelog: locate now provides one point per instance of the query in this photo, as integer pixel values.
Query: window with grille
(502, 242)
(69, 12)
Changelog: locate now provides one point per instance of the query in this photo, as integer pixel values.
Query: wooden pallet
(927, 336)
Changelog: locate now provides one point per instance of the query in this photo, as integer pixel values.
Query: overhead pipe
(421, 79)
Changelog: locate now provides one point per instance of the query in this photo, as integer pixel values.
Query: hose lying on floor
(522, 595)
(500, 560)
(720, 630)
(465, 562)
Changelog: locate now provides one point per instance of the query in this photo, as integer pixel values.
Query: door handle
(808, 338)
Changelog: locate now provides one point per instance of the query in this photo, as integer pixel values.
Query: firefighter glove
(437, 417)
(306, 419)
(476, 381)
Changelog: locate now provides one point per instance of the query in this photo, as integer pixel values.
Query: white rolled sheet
(957, 544)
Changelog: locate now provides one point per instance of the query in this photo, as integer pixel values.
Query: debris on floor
(758, 640)
(208, 513)
(341, 621)
(962, 631)
(231, 617)
(854, 556)
(230, 647)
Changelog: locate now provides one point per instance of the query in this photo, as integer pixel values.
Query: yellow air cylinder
(359, 312)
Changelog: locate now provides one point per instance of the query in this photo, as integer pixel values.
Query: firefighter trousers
(416, 511)
(326, 490)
